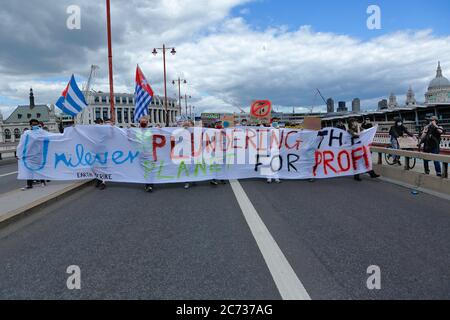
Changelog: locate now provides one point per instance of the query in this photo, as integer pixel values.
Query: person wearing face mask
(398, 130)
(145, 138)
(34, 125)
(431, 140)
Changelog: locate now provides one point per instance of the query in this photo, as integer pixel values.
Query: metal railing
(7, 148)
(408, 155)
(383, 139)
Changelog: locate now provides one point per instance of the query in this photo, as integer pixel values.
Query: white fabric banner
(174, 155)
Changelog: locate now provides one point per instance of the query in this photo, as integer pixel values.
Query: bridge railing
(7, 149)
(408, 155)
(382, 139)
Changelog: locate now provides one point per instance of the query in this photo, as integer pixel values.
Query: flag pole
(111, 83)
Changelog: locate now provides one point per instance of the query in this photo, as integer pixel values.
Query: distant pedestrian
(431, 140)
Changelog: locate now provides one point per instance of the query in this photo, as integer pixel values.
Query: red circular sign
(261, 108)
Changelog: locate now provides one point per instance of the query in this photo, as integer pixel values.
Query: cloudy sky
(230, 51)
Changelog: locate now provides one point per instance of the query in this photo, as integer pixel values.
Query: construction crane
(87, 91)
(242, 110)
(90, 81)
(315, 98)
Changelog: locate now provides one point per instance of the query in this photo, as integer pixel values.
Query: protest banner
(174, 155)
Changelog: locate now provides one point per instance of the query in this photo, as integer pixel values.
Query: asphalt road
(196, 244)
(8, 177)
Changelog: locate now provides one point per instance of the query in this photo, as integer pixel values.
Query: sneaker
(374, 175)
(102, 186)
(214, 182)
(439, 175)
(186, 185)
(358, 179)
(43, 184)
(269, 181)
(148, 188)
(277, 181)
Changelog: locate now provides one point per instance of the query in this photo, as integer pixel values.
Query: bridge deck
(196, 244)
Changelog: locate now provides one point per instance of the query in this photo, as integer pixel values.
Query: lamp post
(186, 97)
(173, 52)
(111, 84)
(179, 89)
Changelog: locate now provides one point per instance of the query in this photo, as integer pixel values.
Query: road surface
(197, 244)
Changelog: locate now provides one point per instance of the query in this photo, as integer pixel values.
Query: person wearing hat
(398, 130)
(431, 141)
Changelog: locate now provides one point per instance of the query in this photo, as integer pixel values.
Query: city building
(12, 128)
(382, 104)
(392, 104)
(438, 90)
(410, 98)
(356, 105)
(330, 105)
(99, 107)
(342, 107)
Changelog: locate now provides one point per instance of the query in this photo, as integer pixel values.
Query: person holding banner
(34, 125)
(275, 153)
(101, 184)
(145, 138)
(354, 131)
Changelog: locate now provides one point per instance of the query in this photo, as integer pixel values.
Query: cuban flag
(72, 100)
(143, 96)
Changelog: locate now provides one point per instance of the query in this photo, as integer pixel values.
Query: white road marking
(8, 174)
(287, 282)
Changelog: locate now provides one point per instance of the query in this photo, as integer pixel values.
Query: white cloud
(228, 63)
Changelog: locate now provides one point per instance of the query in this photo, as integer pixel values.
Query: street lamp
(173, 52)
(179, 89)
(186, 97)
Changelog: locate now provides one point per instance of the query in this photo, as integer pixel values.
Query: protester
(398, 130)
(101, 184)
(431, 140)
(341, 125)
(274, 152)
(367, 124)
(34, 125)
(186, 126)
(147, 154)
(354, 131)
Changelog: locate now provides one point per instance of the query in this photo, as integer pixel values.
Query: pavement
(8, 176)
(248, 240)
